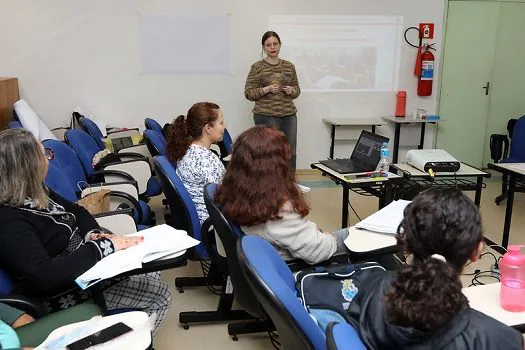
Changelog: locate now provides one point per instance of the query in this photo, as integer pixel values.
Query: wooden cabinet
(8, 96)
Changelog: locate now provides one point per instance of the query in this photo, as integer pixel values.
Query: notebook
(365, 157)
(159, 242)
(387, 219)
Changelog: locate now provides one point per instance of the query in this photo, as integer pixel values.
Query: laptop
(365, 157)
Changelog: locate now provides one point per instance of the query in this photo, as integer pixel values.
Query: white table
(335, 122)
(514, 171)
(385, 197)
(454, 179)
(364, 241)
(139, 338)
(398, 121)
(485, 299)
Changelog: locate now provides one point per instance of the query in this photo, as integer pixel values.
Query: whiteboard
(185, 44)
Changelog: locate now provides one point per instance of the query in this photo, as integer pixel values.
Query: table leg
(508, 211)
(344, 214)
(332, 136)
(373, 129)
(422, 137)
(479, 187)
(387, 197)
(397, 132)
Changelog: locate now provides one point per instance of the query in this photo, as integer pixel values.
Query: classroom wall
(70, 52)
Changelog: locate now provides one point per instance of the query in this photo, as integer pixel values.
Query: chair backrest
(229, 234)
(15, 124)
(517, 143)
(84, 146)
(55, 181)
(156, 142)
(342, 336)
(67, 163)
(273, 283)
(92, 129)
(152, 124)
(227, 141)
(183, 211)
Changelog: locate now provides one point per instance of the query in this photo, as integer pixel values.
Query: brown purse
(96, 202)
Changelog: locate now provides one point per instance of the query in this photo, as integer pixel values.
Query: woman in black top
(46, 242)
(422, 306)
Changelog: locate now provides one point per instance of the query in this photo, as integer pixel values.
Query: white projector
(436, 159)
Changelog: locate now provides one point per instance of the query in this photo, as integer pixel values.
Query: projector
(436, 159)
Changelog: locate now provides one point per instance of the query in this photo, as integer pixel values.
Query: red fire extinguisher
(426, 76)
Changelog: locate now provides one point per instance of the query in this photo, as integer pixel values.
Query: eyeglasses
(49, 153)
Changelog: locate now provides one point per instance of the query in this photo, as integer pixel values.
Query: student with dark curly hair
(259, 192)
(422, 306)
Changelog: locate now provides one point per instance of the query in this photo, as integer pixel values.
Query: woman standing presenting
(272, 84)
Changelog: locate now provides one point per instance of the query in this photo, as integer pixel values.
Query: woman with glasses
(46, 242)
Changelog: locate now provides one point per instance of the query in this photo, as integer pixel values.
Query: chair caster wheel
(180, 290)
(186, 326)
(234, 338)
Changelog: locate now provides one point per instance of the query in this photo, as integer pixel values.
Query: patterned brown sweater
(263, 74)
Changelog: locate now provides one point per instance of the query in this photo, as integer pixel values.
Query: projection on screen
(342, 53)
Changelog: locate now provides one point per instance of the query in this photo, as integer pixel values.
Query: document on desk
(159, 241)
(518, 166)
(386, 220)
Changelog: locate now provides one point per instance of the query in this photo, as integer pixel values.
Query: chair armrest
(340, 336)
(30, 306)
(118, 222)
(138, 169)
(131, 155)
(112, 173)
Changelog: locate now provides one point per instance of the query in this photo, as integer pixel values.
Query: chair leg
(214, 278)
(248, 327)
(223, 313)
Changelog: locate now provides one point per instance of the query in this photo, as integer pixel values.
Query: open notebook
(161, 241)
(386, 220)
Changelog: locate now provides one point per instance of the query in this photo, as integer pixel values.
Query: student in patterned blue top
(189, 140)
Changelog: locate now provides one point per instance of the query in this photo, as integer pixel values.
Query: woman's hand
(123, 242)
(288, 89)
(274, 88)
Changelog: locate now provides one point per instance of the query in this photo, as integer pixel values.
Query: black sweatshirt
(33, 248)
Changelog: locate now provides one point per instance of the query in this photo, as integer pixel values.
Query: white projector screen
(342, 53)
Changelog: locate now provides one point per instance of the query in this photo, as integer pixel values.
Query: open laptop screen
(368, 148)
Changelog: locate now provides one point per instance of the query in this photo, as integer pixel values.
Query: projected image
(342, 53)
(337, 68)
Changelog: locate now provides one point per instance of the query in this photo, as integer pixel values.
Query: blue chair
(342, 336)
(156, 142)
(15, 124)
(184, 217)
(516, 154)
(153, 187)
(65, 173)
(273, 283)
(152, 124)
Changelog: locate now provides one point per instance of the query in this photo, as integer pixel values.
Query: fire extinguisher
(426, 76)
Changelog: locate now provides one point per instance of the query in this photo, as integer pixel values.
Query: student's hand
(123, 242)
(22, 321)
(288, 89)
(274, 88)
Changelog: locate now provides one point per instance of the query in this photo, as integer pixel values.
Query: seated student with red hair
(259, 193)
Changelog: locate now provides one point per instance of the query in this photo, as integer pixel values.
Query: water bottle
(512, 267)
(384, 163)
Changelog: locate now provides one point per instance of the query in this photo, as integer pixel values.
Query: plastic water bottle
(512, 267)
(384, 164)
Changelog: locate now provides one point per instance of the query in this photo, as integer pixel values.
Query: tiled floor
(325, 201)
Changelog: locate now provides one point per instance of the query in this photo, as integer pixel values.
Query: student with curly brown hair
(422, 306)
(259, 193)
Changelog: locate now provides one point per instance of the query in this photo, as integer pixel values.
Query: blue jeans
(287, 124)
(340, 236)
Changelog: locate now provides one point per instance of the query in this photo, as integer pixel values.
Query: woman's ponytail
(425, 295)
(178, 139)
